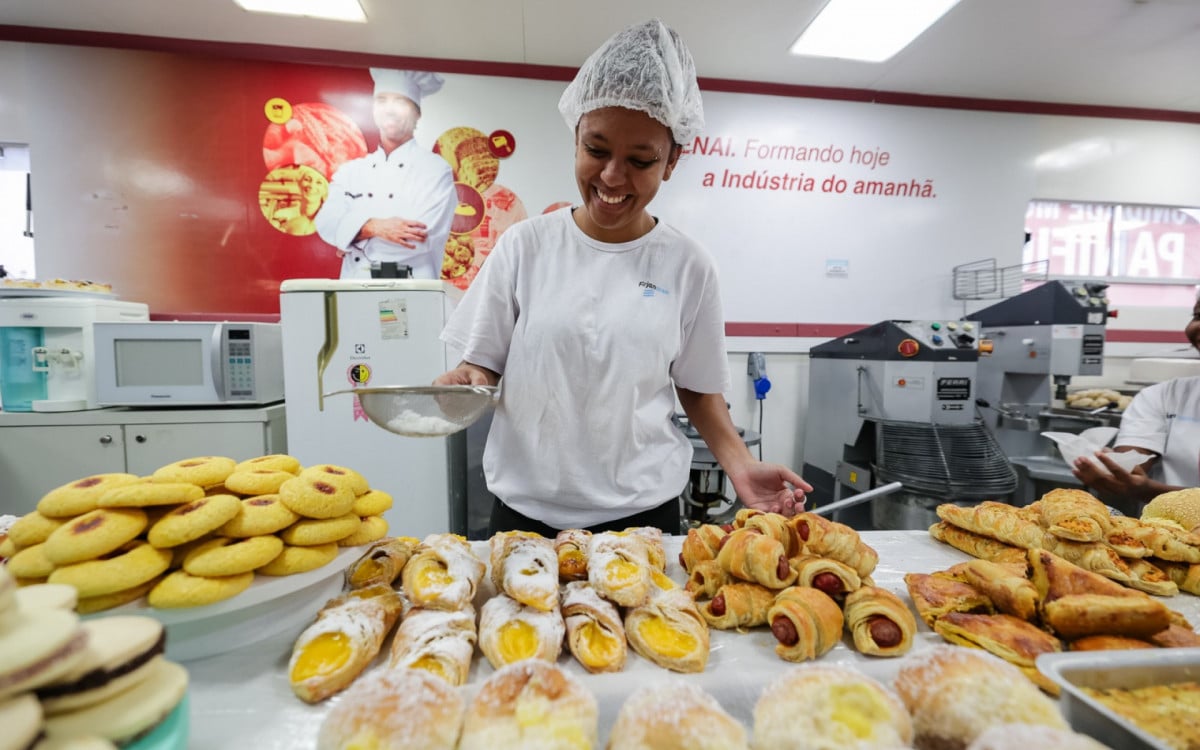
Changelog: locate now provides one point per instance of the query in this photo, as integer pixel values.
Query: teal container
(20, 385)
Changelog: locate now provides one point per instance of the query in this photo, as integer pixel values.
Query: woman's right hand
(467, 374)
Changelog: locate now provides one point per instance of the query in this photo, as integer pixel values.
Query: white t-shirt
(1165, 418)
(590, 338)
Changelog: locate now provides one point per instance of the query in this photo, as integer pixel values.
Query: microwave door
(217, 358)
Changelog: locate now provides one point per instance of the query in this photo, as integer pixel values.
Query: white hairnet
(646, 67)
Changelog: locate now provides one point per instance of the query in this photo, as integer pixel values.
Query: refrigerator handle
(328, 347)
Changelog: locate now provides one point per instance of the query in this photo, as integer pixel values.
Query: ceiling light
(336, 10)
(868, 30)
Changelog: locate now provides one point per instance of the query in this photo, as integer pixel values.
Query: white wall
(14, 98)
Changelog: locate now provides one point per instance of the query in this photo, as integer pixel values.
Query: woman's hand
(770, 487)
(467, 374)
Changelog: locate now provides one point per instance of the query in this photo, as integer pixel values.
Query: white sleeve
(1145, 423)
(438, 212)
(338, 222)
(703, 365)
(482, 324)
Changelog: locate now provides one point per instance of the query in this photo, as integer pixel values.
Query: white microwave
(188, 363)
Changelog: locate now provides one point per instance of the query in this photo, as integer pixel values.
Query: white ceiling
(1121, 53)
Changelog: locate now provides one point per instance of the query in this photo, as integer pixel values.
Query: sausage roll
(381, 563)
(525, 567)
(345, 637)
(619, 568)
(879, 621)
(834, 578)
(669, 631)
(510, 631)
(530, 704)
(701, 545)
(777, 527)
(438, 641)
(675, 716)
(571, 547)
(443, 573)
(824, 538)
(738, 605)
(750, 555)
(706, 578)
(806, 623)
(595, 633)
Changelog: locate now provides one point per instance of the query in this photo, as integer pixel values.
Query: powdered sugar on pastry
(510, 631)
(526, 568)
(675, 716)
(392, 710)
(1027, 736)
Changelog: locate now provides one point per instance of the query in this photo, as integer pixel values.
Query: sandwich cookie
(129, 714)
(47, 596)
(226, 557)
(75, 743)
(21, 718)
(119, 654)
(39, 645)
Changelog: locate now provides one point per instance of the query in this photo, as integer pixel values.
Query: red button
(909, 348)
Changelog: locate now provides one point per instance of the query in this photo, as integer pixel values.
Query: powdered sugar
(413, 424)
(400, 709)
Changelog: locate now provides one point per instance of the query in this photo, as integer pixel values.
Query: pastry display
(441, 642)
(829, 708)
(510, 631)
(347, 634)
(675, 716)
(619, 568)
(571, 548)
(595, 632)
(1009, 592)
(706, 579)
(525, 567)
(750, 555)
(879, 622)
(400, 709)
(120, 652)
(937, 595)
(736, 606)
(701, 545)
(824, 538)
(834, 578)
(669, 631)
(381, 563)
(1016, 641)
(806, 622)
(530, 704)
(443, 573)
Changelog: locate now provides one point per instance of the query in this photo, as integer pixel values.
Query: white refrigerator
(340, 334)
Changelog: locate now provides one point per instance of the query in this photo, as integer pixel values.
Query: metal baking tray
(1126, 669)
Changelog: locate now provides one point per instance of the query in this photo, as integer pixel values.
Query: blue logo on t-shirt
(649, 289)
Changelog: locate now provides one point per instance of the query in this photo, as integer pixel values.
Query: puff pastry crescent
(669, 631)
(595, 632)
(806, 623)
(510, 632)
(879, 621)
(443, 573)
(441, 642)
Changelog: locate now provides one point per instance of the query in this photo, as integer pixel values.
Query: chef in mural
(396, 203)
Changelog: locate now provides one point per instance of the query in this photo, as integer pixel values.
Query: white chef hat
(413, 84)
(646, 67)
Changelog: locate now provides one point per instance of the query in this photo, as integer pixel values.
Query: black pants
(666, 517)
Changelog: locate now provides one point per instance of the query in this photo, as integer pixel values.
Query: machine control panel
(942, 335)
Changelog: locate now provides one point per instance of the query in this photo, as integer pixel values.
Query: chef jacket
(410, 183)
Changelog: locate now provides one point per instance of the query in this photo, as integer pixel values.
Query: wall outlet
(756, 365)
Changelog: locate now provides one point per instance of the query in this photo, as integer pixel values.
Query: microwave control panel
(239, 364)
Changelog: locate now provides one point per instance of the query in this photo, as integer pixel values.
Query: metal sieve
(424, 410)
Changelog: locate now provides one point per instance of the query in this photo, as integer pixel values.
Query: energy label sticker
(393, 319)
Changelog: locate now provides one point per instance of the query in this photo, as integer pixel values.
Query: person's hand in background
(396, 230)
(770, 487)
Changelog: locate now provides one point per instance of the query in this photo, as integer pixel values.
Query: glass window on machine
(1149, 255)
(16, 214)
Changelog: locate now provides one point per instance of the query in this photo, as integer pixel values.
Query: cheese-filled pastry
(510, 631)
(977, 545)
(935, 595)
(778, 527)
(806, 623)
(829, 708)
(1183, 575)
(701, 545)
(669, 631)
(1163, 542)
(619, 568)
(834, 578)
(345, 637)
(1074, 515)
(571, 547)
(750, 555)
(1010, 593)
(738, 605)
(706, 578)
(438, 641)
(394, 709)
(531, 704)
(525, 567)
(825, 538)
(381, 563)
(879, 621)
(675, 716)
(443, 573)
(1096, 557)
(1151, 578)
(595, 633)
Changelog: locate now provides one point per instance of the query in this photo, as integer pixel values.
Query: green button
(936, 326)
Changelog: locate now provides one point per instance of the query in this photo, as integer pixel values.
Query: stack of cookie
(194, 532)
(105, 680)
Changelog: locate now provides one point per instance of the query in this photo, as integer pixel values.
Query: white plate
(271, 605)
(20, 291)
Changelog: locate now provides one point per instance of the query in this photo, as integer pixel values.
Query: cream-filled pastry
(510, 632)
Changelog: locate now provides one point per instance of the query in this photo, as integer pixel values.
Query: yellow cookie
(372, 503)
(226, 557)
(205, 471)
(80, 496)
(90, 604)
(193, 520)
(150, 493)
(31, 562)
(182, 589)
(313, 497)
(257, 481)
(299, 560)
(373, 528)
(264, 514)
(132, 565)
(312, 531)
(8, 549)
(94, 534)
(338, 475)
(33, 528)
(278, 461)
